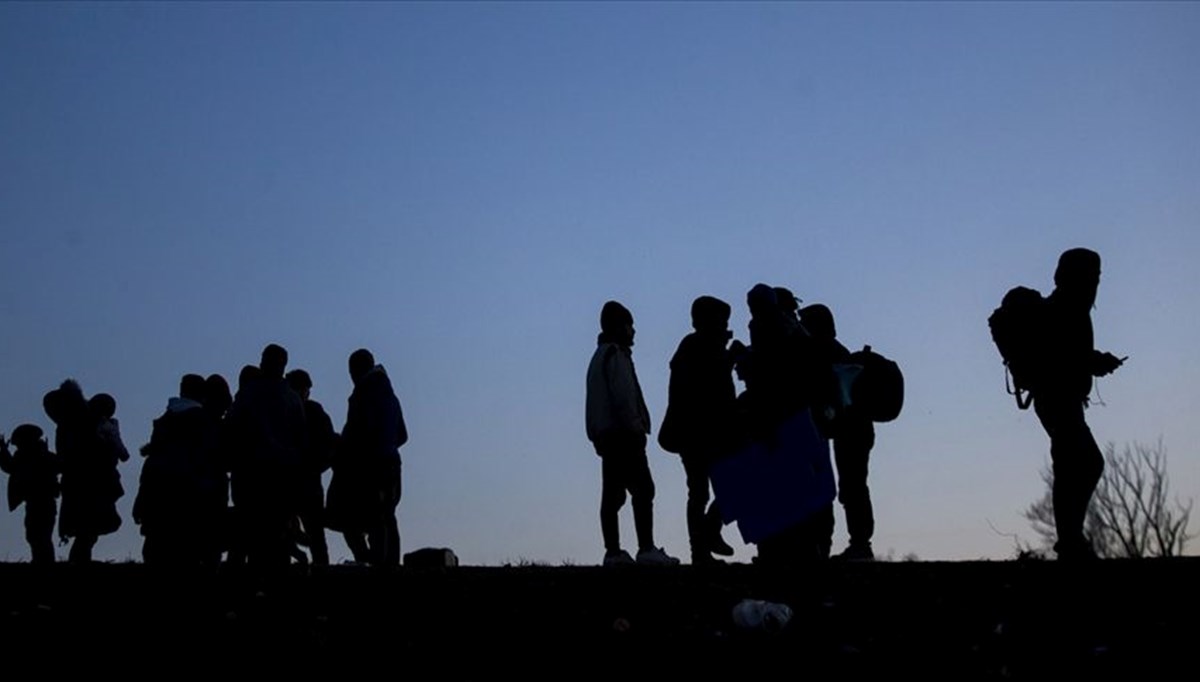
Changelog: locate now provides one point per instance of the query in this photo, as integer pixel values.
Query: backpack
(1017, 330)
(878, 390)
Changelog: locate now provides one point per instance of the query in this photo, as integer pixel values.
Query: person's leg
(357, 542)
(1077, 464)
(312, 518)
(39, 532)
(852, 453)
(698, 525)
(81, 549)
(641, 490)
(612, 498)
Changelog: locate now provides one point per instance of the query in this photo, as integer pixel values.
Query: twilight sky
(459, 187)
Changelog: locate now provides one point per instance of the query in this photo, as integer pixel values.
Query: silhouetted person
(180, 482)
(103, 408)
(617, 425)
(318, 456)
(33, 480)
(268, 433)
(784, 374)
(366, 485)
(776, 360)
(217, 401)
(1060, 394)
(699, 421)
(91, 484)
(237, 529)
(853, 435)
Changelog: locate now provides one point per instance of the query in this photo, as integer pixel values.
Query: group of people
(239, 476)
(233, 477)
(788, 367)
(794, 365)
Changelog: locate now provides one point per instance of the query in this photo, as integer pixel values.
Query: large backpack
(1017, 331)
(878, 390)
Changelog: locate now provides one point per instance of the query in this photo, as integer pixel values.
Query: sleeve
(623, 392)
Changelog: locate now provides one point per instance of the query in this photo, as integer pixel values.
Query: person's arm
(1104, 364)
(6, 459)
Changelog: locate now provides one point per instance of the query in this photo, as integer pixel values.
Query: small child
(103, 407)
(33, 479)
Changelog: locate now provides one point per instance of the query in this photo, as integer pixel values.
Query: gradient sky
(460, 187)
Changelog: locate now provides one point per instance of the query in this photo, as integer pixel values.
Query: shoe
(718, 546)
(656, 557)
(856, 553)
(706, 560)
(618, 558)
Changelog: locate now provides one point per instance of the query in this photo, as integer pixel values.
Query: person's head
(761, 299)
(616, 323)
(28, 437)
(102, 406)
(361, 362)
(66, 403)
(818, 320)
(710, 314)
(787, 301)
(1078, 276)
(300, 382)
(217, 397)
(274, 361)
(192, 387)
(248, 376)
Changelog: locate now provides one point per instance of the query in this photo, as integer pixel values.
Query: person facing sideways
(853, 435)
(322, 440)
(699, 420)
(366, 485)
(91, 483)
(617, 424)
(1060, 394)
(33, 480)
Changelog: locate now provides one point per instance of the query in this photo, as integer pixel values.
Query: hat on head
(818, 320)
(786, 299)
(614, 316)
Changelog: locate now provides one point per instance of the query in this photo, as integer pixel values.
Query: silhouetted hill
(963, 620)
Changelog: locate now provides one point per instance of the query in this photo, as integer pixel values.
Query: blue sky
(460, 187)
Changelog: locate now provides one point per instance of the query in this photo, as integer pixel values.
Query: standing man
(318, 454)
(269, 432)
(699, 422)
(853, 435)
(365, 489)
(617, 425)
(1060, 394)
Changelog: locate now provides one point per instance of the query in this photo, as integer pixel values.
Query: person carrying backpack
(1058, 369)
(853, 435)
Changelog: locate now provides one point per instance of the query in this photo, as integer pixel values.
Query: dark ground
(969, 620)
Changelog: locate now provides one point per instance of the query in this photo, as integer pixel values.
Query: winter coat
(701, 396)
(615, 405)
(366, 468)
(182, 486)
